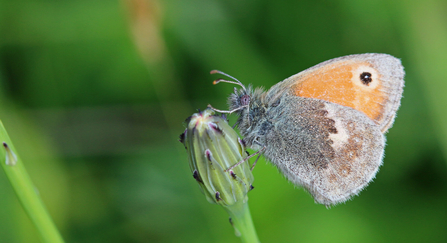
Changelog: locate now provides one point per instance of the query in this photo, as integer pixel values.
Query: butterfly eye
(366, 78)
(245, 100)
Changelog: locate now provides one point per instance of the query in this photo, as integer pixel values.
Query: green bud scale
(213, 147)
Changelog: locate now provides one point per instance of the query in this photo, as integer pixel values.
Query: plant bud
(213, 147)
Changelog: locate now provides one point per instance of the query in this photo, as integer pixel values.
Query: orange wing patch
(352, 84)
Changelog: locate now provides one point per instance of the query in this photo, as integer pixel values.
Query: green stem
(25, 190)
(241, 218)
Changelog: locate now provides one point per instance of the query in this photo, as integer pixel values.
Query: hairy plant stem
(25, 190)
(240, 217)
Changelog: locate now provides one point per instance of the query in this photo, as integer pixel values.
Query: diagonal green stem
(25, 190)
(243, 224)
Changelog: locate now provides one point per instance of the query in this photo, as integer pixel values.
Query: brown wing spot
(333, 130)
(345, 83)
(322, 126)
(350, 152)
(353, 147)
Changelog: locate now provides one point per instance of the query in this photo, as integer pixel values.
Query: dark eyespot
(245, 99)
(366, 78)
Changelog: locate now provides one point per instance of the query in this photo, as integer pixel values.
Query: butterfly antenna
(228, 112)
(227, 81)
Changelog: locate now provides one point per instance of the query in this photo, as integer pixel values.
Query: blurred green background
(94, 94)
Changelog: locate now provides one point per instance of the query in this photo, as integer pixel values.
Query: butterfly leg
(259, 156)
(259, 152)
(242, 161)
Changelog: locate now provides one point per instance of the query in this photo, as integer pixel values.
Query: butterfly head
(239, 101)
(246, 102)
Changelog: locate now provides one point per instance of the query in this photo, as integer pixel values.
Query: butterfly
(324, 127)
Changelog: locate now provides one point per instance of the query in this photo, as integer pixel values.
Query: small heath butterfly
(324, 127)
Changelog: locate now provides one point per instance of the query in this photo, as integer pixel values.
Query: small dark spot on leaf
(214, 127)
(233, 174)
(208, 154)
(196, 176)
(182, 137)
(242, 142)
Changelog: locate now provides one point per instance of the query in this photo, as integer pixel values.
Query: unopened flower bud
(213, 147)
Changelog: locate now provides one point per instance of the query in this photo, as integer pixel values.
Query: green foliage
(94, 93)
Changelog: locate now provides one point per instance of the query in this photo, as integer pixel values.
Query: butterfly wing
(371, 83)
(331, 150)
